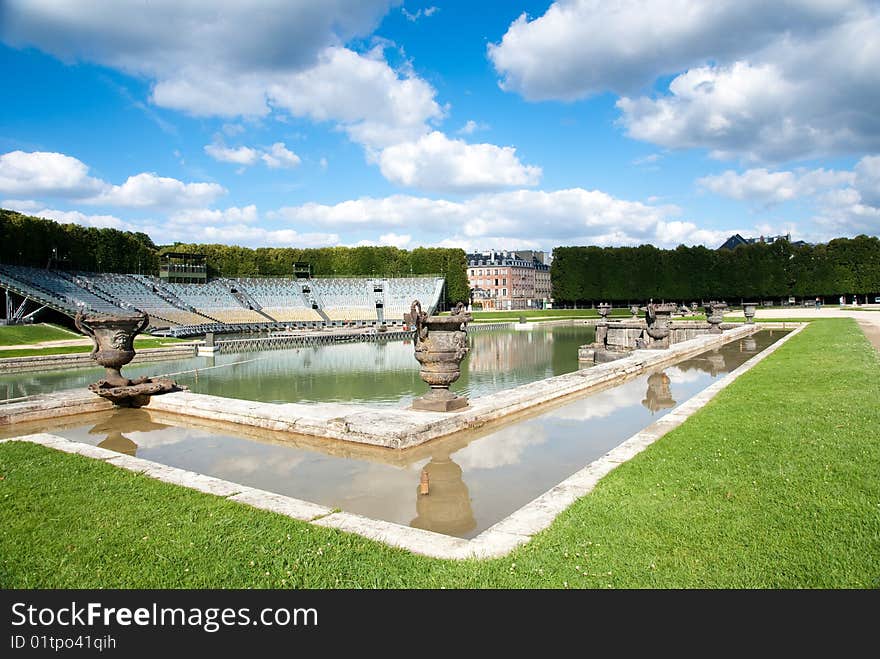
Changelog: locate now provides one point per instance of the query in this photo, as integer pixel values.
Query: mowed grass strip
(13, 335)
(775, 483)
(139, 344)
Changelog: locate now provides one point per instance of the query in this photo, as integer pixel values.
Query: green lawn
(774, 484)
(540, 314)
(66, 350)
(12, 335)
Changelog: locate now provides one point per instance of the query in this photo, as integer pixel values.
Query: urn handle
(80, 324)
(142, 325)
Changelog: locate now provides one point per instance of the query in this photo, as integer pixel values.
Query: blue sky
(480, 125)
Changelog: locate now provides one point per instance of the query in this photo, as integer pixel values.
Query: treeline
(232, 261)
(759, 271)
(42, 243)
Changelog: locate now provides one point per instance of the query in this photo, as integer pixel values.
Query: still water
(475, 479)
(378, 373)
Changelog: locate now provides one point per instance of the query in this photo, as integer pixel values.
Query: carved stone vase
(113, 337)
(714, 316)
(657, 317)
(604, 309)
(440, 345)
(749, 312)
(634, 310)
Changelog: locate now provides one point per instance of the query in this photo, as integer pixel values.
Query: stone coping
(84, 359)
(382, 426)
(498, 540)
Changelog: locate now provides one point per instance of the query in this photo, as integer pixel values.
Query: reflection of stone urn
(113, 337)
(440, 345)
(714, 316)
(659, 396)
(446, 506)
(749, 312)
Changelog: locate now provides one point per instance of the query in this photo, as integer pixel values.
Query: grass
(67, 350)
(540, 314)
(774, 484)
(12, 335)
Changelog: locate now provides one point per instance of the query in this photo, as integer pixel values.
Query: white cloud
(374, 104)
(470, 127)
(242, 155)
(867, 180)
(401, 241)
(436, 162)
(232, 215)
(761, 185)
(427, 12)
(518, 219)
(76, 217)
(46, 173)
(150, 190)
(754, 80)
(278, 156)
(215, 53)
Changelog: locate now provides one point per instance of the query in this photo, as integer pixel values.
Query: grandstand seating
(281, 299)
(227, 305)
(142, 294)
(49, 286)
(347, 299)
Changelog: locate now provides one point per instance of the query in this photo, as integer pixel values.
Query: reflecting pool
(377, 372)
(474, 479)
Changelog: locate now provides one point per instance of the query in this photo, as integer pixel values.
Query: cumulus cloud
(46, 173)
(242, 155)
(374, 104)
(436, 162)
(760, 81)
(201, 216)
(291, 61)
(518, 219)
(66, 217)
(761, 185)
(279, 156)
(150, 190)
(193, 46)
(276, 156)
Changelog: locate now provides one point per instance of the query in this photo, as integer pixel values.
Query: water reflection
(382, 372)
(446, 506)
(659, 395)
(124, 420)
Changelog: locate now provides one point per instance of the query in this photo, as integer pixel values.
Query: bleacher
(214, 300)
(143, 294)
(227, 305)
(347, 299)
(57, 290)
(401, 292)
(282, 299)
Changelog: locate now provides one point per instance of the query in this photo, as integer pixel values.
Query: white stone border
(498, 540)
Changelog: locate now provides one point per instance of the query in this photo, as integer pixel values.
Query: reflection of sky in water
(380, 373)
(502, 469)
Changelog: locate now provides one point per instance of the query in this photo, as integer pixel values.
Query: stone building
(503, 280)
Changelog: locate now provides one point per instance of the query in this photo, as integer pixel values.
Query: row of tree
(42, 243)
(758, 271)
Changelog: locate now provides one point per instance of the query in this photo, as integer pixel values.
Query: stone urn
(657, 317)
(440, 345)
(749, 312)
(714, 316)
(113, 337)
(604, 309)
(634, 310)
